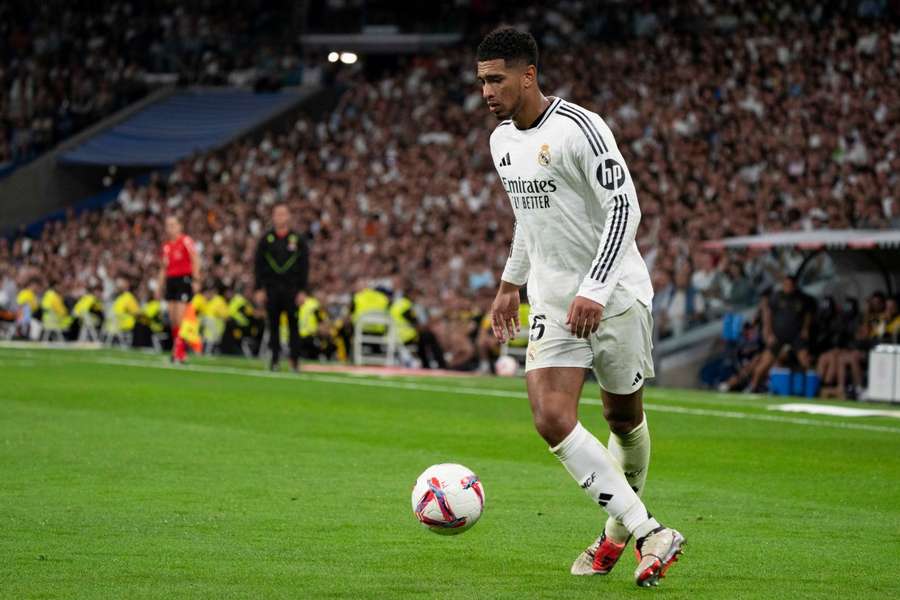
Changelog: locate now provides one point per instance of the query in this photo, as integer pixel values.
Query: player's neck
(532, 108)
(281, 232)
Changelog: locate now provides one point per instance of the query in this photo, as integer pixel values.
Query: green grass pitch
(123, 478)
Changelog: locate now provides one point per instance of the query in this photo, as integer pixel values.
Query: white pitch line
(463, 390)
(726, 414)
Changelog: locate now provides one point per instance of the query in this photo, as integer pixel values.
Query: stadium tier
(179, 126)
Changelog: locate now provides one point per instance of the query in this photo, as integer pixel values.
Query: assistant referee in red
(282, 273)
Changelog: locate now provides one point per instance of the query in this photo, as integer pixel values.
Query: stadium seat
(113, 333)
(89, 331)
(51, 327)
(212, 329)
(365, 342)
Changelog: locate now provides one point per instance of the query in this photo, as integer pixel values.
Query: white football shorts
(619, 352)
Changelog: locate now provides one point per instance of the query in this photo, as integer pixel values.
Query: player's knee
(621, 424)
(553, 426)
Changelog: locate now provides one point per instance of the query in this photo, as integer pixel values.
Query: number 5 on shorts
(537, 328)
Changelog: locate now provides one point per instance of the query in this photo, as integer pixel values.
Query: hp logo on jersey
(610, 174)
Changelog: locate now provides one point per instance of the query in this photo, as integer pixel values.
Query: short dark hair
(509, 44)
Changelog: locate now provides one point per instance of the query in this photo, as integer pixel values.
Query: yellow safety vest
(53, 304)
(27, 297)
(369, 300)
(405, 330)
(308, 317)
(152, 311)
(199, 303)
(86, 304)
(217, 308)
(239, 310)
(126, 307)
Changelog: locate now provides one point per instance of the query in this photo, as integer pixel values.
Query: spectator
(787, 317)
(738, 289)
(680, 306)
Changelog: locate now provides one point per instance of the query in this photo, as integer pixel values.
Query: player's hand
(584, 316)
(195, 285)
(505, 314)
(260, 298)
(300, 299)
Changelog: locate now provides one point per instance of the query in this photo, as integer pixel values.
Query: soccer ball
(448, 498)
(506, 366)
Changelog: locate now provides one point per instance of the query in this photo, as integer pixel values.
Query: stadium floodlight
(348, 58)
(333, 57)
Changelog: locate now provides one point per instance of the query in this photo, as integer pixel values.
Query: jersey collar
(542, 118)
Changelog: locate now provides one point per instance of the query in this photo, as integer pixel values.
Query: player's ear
(529, 76)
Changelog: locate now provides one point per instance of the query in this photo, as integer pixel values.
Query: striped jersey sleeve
(601, 164)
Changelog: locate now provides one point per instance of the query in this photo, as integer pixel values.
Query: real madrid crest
(544, 156)
(292, 243)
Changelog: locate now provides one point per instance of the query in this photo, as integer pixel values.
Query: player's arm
(610, 183)
(195, 264)
(161, 279)
(505, 308)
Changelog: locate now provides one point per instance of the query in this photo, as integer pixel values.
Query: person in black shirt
(787, 318)
(282, 272)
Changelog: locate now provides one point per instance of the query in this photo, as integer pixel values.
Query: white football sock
(600, 476)
(632, 452)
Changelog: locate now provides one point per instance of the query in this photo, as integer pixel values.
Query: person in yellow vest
(214, 315)
(315, 328)
(413, 330)
(125, 307)
(54, 313)
(489, 346)
(199, 302)
(149, 322)
(88, 306)
(26, 308)
(241, 324)
(366, 300)
(369, 300)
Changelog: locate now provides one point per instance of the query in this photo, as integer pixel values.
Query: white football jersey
(576, 212)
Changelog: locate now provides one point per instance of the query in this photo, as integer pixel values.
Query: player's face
(173, 228)
(502, 86)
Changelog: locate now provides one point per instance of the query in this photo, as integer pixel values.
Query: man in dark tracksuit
(282, 271)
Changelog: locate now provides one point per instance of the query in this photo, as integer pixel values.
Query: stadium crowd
(757, 125)
(65, 65)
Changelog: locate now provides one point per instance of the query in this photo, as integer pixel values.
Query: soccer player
(576, 213)
(180, 278)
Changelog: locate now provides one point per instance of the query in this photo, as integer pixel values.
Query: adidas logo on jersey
(637, 378)
(505, 162)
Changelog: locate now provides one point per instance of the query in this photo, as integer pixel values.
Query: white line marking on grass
(41, 345)
(835, 411)
(463, 390)
(727, 414)
(472, 391)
